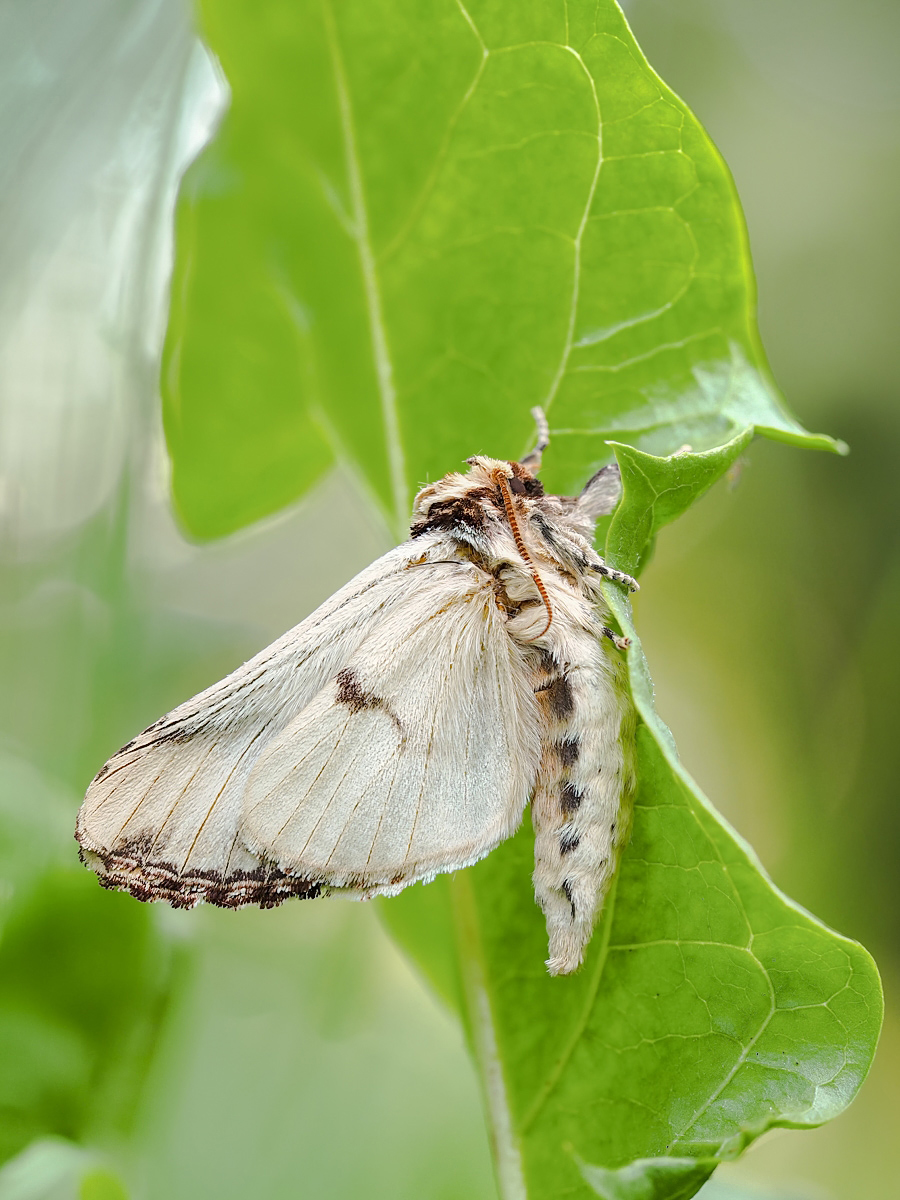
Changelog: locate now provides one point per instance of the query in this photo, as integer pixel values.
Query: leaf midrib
(555, 1074)
(384, 370)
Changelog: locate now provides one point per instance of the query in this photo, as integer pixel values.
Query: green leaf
(416, 221)
(101, 1184)
(710, 1008)
(419, 219)
(657, 490)
(651, 1179)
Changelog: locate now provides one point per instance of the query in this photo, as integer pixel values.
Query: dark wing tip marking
(126, 870)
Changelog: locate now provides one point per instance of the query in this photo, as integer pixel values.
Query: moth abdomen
(567, 751)
(584, 781)
(569, 840)
(570, 798)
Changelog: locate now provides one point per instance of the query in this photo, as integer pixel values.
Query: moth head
(487, 472)
(475, 500)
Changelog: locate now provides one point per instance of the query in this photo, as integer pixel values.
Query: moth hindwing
(401, 729)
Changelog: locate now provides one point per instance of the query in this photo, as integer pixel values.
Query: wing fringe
(127, 870)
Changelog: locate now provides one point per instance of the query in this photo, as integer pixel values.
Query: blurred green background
(294, 1053)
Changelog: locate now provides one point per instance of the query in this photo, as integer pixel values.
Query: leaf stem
(470, 952)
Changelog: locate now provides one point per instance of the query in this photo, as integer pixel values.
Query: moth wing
(602, 492)
(162, 818)
(417, 758)
(165, 817)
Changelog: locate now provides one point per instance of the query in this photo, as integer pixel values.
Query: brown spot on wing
(351, 692)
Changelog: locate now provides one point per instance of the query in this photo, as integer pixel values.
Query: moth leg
(621, 643)
(618, 576)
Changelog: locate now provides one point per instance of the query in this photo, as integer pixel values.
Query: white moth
(400, 730)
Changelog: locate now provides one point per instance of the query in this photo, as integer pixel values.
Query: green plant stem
(483, 1039)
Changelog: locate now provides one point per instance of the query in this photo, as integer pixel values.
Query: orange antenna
(500, 480)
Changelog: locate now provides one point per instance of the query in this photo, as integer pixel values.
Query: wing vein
(337, 787)
(296, 807)
(444, 683)
(138, 805)
(243, 754)
(180, 797)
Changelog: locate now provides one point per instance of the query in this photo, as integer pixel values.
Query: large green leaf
(710, 1008)
(417, 220)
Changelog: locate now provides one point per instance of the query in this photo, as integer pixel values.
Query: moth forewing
(419, 758)
(399, 731)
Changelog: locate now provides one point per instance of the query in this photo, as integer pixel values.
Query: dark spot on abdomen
(568, 842)
(559, 698)
(545, 661)
(568, 751)
(570, 798)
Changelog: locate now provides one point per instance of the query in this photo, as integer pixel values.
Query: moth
(400, 730)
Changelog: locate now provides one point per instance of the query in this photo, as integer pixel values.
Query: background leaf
(417, 221)
(51, 1169)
